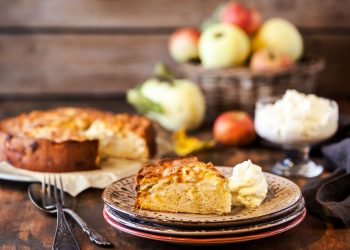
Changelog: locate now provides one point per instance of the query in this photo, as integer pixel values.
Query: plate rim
(210, 240)
(206, 224)
(215, 224)
(219, 231)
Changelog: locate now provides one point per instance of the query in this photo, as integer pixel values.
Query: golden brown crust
(179, 170)
(51, 141)
(63, 124)
(157, 169)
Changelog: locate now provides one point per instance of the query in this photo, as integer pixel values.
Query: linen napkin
(111, 170)
(329, 198)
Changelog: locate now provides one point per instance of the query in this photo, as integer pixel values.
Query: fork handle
(64, 238)
(93, 235)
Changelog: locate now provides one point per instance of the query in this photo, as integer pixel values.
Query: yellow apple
(280, 37)
(223, 45)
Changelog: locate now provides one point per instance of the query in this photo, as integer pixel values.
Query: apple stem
(218, 35)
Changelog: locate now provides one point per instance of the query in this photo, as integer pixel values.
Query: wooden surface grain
(77, 64)
(113, 63)
(161, 13)
(99, 46)
(22, 226)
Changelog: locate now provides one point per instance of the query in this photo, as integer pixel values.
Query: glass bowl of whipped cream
(296, 121)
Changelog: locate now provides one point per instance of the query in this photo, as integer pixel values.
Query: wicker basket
(239, 88)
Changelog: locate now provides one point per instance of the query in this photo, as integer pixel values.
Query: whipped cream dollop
(296, 119)
(247, 184)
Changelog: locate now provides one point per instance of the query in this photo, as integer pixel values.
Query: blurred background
(89, 52)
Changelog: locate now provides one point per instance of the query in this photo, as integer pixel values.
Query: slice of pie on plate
(184, 185)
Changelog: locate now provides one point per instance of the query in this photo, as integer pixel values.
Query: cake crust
(48, 156)
(182, 184)
(56, 140)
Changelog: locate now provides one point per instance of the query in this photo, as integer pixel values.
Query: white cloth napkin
(111, 170)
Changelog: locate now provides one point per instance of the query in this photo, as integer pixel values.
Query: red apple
(183, 44)
(234, 128)
(264, 60)
(255, 22)
(238, 14)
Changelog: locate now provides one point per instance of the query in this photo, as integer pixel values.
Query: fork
(94, 236)
(64, 238)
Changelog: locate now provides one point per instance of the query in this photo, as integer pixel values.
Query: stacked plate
(282, 209)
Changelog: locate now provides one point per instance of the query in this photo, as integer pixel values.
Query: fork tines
(46, 189)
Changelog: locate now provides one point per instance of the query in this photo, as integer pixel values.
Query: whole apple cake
(74, 139)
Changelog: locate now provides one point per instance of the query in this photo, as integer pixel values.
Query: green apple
(280, 37)
(223, 45)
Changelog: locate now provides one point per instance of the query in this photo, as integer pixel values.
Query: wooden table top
(22, 226)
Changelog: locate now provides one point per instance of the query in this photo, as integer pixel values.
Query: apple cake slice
(73, 139)
(184, 185)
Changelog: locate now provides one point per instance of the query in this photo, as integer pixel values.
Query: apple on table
(235, 128)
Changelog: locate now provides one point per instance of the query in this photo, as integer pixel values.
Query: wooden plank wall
(101, 47)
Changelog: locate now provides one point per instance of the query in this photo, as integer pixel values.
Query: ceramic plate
(282, 196)
(200, 232)
(215, 240)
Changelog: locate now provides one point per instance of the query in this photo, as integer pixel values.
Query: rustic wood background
(100, 48)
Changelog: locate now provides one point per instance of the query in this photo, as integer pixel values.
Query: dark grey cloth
(329, 198)
(338, 155)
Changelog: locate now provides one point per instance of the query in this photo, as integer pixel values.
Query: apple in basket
(183, 44)
(265, 60)
(223, 45)
(280, 37)
(238, 14)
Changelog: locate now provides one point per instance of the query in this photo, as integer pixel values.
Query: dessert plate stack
(282, 209)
